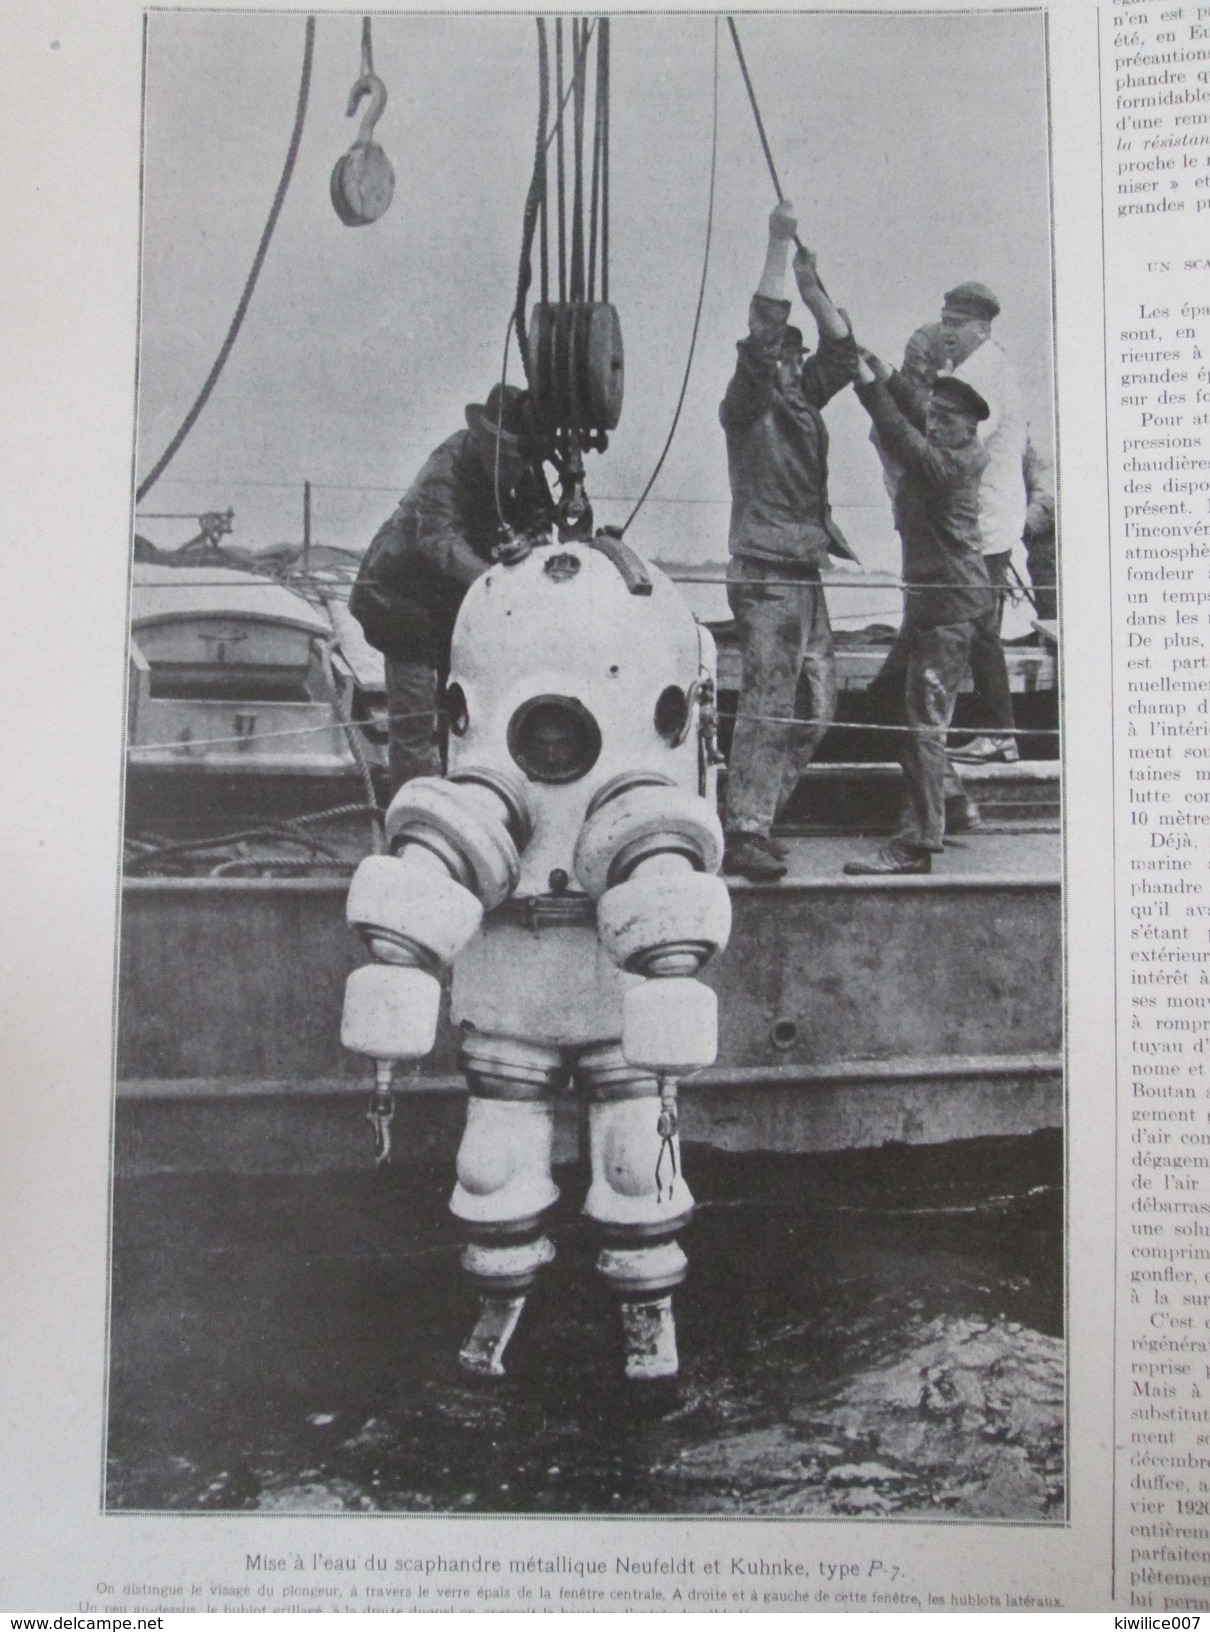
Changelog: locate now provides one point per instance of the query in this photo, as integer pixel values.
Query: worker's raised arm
(832, 367)
(829, 322)
(941, 467)
(755, 378)
(782, 228)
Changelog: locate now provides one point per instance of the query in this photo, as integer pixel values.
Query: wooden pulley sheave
(577, 369)
(572, 344)
(363, 181)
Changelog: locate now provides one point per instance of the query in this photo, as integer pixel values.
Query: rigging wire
(701, 295)
(764, 140)
(579, 55)
(594, 190)
(560, 176)
(508, 334)
(185, 747)
(535, 208)
(603, 50)
(760, 123)
(262, 249)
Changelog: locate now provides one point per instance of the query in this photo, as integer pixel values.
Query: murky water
(868, 1333)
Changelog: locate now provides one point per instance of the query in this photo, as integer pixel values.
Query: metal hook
(368, 85)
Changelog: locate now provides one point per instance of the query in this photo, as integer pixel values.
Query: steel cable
(185, 747)
(535, 208)
(279, 198)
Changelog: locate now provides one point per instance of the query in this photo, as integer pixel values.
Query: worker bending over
(445, 532)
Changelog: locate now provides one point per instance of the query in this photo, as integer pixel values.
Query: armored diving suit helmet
(565, 867)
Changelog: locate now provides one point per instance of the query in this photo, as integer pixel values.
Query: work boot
(752, 856)
(894, 857)
(779, 847)
(988, 751)
(962, 815)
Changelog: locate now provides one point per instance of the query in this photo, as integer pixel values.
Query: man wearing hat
(446, 531)
(961, 344)
(782, 533)
(948, 598)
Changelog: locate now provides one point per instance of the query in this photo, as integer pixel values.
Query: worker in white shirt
(961, 345)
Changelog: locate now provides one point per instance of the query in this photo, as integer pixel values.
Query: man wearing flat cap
(948, 597)
(961, 344)
(446, 531)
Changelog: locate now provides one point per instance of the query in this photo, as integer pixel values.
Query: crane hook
(363, 182)
(368, 85)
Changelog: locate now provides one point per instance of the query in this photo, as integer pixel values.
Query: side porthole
(671, 714)
(456, 709)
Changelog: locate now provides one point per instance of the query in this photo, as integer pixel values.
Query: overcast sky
(914, 148)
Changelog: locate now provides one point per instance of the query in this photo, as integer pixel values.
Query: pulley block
(363, 182)
(577, 373)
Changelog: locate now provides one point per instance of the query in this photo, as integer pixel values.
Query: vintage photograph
(590, 973)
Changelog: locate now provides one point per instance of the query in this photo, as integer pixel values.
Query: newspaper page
(605, 826)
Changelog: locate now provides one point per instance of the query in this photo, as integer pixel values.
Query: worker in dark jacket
(948, 598)
(782, 532)
(446, 531)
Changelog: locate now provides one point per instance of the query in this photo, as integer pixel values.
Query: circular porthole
(554, 739)
(784, 1035)
(671, 714)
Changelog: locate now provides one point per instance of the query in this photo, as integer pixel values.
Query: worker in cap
(782, 532)
(961, 343)
(947, 598)
(970, 300)
(950, 392)
(480, 496)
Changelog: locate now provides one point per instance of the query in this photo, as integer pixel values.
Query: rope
(333, 587)
(701, 295)
(182, 745)
(594, 191)
(203, 396)
(424, 714)
(535, 206)
(837, 583)
(268, 830)
(603, 51)
(560, 174)
(543, 213)
(565, 96)
(760, 123)
(579, 50)
(864, 725)
(500, 422)
(760, 131)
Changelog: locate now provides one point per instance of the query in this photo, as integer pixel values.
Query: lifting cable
(535, 208)
(300, 114)
(764, 140)
(701, 294)
(536, 198)
(578, 253)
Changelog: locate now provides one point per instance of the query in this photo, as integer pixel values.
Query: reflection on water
(871, 1333)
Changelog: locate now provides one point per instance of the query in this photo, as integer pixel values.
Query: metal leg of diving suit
(504, 1185)
(638, 1215)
